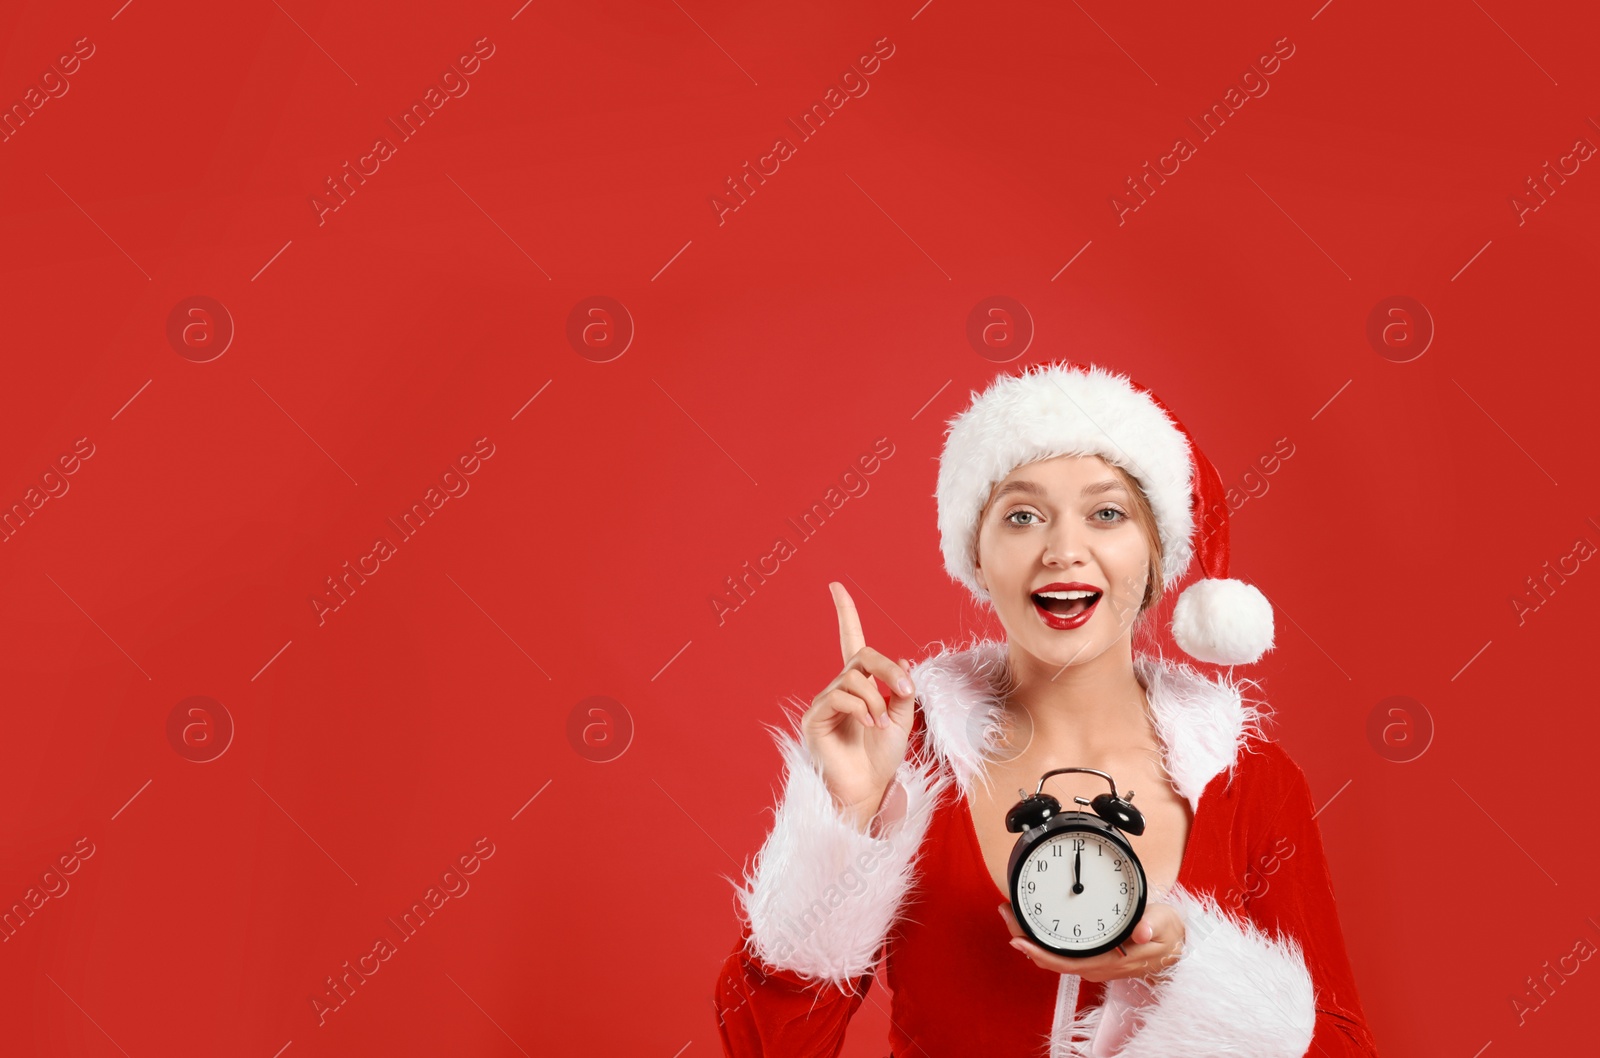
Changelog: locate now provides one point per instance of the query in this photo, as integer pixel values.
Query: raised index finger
(850, 638)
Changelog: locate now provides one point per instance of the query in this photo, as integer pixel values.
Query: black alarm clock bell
(1077, 889)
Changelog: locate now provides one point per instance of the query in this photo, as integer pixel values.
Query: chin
(1060, 649)
(1077, 654)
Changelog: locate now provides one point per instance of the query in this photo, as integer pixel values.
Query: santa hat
(1058, 409)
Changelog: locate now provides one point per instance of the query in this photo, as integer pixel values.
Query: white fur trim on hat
(1052, 410)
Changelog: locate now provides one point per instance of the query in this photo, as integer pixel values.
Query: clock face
(1078, 890)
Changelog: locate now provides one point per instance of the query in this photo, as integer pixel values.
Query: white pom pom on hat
(1060, 408)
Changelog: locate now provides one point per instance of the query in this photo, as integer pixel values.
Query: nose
(1061, 544)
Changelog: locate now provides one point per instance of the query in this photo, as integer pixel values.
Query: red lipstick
(1066, 622)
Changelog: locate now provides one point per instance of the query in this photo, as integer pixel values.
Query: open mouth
(1065, 603)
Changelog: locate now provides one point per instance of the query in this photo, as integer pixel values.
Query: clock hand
(1077, 872)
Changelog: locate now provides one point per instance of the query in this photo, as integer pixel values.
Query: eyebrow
(1034, 489)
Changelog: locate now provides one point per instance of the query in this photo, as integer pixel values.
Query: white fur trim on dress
(1224, 621)
(1203, 722)
(961, 692)
(822, 895)
(1235, 990)
(1050, 410)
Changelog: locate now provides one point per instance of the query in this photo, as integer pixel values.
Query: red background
(374, 746)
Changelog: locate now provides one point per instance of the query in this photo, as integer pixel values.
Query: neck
(1092, 707)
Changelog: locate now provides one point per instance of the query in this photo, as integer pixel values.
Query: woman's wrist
(891, 808)
(873, 816)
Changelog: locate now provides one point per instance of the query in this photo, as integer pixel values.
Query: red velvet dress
(1264, 970)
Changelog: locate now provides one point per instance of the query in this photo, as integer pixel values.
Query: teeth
(1066, 594)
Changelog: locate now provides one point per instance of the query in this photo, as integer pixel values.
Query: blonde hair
(1146, 518)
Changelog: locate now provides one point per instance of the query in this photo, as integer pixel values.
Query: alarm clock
(1077, 889)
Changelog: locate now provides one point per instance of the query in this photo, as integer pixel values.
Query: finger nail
(1017, 944)
(904, 685)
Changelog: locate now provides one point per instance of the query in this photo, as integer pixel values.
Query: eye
(1114, 510)
(1021, 510)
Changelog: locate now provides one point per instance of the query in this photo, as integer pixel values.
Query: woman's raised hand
(857, 738)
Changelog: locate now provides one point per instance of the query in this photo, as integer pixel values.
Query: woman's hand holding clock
(858, 738)
(1156, 943)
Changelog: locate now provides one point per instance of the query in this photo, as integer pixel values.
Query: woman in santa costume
(890, 836)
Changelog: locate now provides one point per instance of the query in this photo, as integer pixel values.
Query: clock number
(1030, 887)
(1055, 924)
(1038, 909)
(1077, 844)
(1100, 924)
(1124, 888)
(1077, 930)
(1055, 850)
(1116, 865)
(1040, 865)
